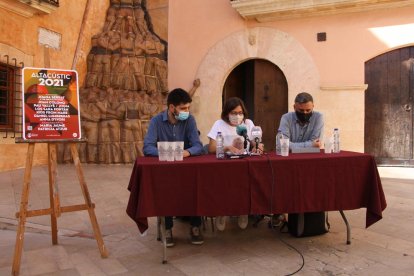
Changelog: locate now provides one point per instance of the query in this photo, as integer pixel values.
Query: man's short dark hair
(178, 96)
(303, 98)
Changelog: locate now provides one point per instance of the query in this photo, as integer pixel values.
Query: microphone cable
(271, 220)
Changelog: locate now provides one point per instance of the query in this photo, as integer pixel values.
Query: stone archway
(265, 43)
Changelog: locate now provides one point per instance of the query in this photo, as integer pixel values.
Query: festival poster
(50, 104)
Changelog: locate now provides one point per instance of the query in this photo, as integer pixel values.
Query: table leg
(164, 241)
(158, 229)
(348, 227)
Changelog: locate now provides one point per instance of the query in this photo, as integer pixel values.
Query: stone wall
(20, 39)
(125, 85)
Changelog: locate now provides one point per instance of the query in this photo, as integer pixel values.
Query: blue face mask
(182, 116)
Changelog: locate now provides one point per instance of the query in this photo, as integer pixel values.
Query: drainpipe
(81, 36)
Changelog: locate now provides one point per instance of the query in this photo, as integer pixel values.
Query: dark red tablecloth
(266, 184)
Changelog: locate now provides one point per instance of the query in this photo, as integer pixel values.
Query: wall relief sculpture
(125, 85)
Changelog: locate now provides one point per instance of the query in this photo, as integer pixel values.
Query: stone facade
(20, 41)
(207, 42)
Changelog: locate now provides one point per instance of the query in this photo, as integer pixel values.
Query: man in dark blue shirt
(176, 124)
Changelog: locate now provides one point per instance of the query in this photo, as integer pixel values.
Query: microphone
(257, 135)
(242, 131)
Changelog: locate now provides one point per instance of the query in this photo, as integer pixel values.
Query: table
(205, 186)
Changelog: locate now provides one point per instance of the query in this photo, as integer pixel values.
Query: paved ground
(386, 248)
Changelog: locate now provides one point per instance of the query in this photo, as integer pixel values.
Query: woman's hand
(233, 150)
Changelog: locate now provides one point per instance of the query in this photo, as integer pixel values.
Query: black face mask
(303, 117)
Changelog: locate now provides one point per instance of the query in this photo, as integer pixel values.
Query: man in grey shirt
(304, 127)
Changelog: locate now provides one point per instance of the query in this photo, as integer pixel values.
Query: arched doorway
(263, 87)
(269, 44)
(389, 107)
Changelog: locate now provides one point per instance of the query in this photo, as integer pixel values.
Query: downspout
(81, 36)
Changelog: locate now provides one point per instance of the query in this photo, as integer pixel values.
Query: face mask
(303, 117)
(182, 115)
(236, 119)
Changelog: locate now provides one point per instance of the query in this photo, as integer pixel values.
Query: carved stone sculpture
(125, 86)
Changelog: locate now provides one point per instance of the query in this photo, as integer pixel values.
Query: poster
(50, 104)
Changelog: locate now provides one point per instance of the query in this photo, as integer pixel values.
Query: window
(52, 2)
(7, 90)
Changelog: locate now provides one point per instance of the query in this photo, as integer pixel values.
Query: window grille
(10, 97)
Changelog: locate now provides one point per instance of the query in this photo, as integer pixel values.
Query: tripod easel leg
(23, 210)
(55, 209)
(53, 190)
(85, 192)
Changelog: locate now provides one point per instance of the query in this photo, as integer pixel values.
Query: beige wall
(198, 27)
(22, 33)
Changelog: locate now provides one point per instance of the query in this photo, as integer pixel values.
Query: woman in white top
(233, 114)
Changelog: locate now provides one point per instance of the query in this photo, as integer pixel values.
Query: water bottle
(219, 146)
(336, 145)
(279, 136)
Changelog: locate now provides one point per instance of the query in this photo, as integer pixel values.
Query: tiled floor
(386, 248)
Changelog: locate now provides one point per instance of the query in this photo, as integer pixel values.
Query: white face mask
(236, 120)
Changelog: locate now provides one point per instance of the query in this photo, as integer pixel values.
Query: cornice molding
(272, 10)
(27, 8)
(361, 87)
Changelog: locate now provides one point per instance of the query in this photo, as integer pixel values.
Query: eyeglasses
(236, 113)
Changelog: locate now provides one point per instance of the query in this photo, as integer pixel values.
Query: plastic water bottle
(279, 136)
(219, 146)
(336, 144)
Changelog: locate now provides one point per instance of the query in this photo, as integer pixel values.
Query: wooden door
(270, 99)
(263, 88)
(388, 107)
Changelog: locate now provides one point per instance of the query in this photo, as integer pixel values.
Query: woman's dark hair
(229, 105)
(178, 96)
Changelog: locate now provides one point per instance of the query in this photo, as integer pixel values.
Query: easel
(55, 209)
